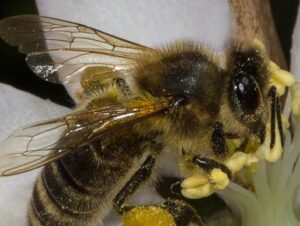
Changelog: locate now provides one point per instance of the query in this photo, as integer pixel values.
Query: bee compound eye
(244, 94)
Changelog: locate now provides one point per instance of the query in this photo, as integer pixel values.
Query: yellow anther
(272, 155)
(233, 144)
(194, 181)
(282, 76)
(273, 66)
(198, 192)
(259, 44)
(263, 148)
(252, 158)
(264, 151)
(279, 78)
(195, 187)
(280, 88)
(219, 179)
(236, 162)
(148, 216)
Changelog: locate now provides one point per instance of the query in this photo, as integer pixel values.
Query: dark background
(15, 72)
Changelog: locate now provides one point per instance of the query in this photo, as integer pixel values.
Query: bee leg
(131, 186)
(272, 94)
(275, 114)
(279, 119)
(182, 212)
(208, 165)
(273, 150)
(172, 212)
(121, 83)
(218, 139)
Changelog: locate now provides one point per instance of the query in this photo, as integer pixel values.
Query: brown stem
(253, 19)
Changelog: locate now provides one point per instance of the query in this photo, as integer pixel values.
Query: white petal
(150, 23)
(18, 108)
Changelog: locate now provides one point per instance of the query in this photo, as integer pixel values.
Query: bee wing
(59, 51)
(41, 143)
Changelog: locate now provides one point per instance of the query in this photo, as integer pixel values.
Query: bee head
(247, 89)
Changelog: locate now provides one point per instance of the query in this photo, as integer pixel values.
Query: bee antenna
(272, 94)
(279, 121)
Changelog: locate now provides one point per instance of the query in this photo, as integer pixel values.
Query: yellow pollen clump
(198, 192)
(148, 216)
(195, 187)
(219, 179)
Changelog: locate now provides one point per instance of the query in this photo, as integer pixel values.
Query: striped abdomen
(78, 189)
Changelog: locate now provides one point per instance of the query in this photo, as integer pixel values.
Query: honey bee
(134, 103)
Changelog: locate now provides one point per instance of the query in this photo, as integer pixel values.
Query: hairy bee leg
(135, 181)
(218, 139)
(121, 83)
(175, 212)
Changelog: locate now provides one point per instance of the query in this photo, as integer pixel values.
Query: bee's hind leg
(171, 212)
(140, 176)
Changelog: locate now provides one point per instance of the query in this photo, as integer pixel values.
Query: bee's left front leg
(215, 174)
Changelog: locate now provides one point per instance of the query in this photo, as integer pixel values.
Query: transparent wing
(40, 143)
(59, 51)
